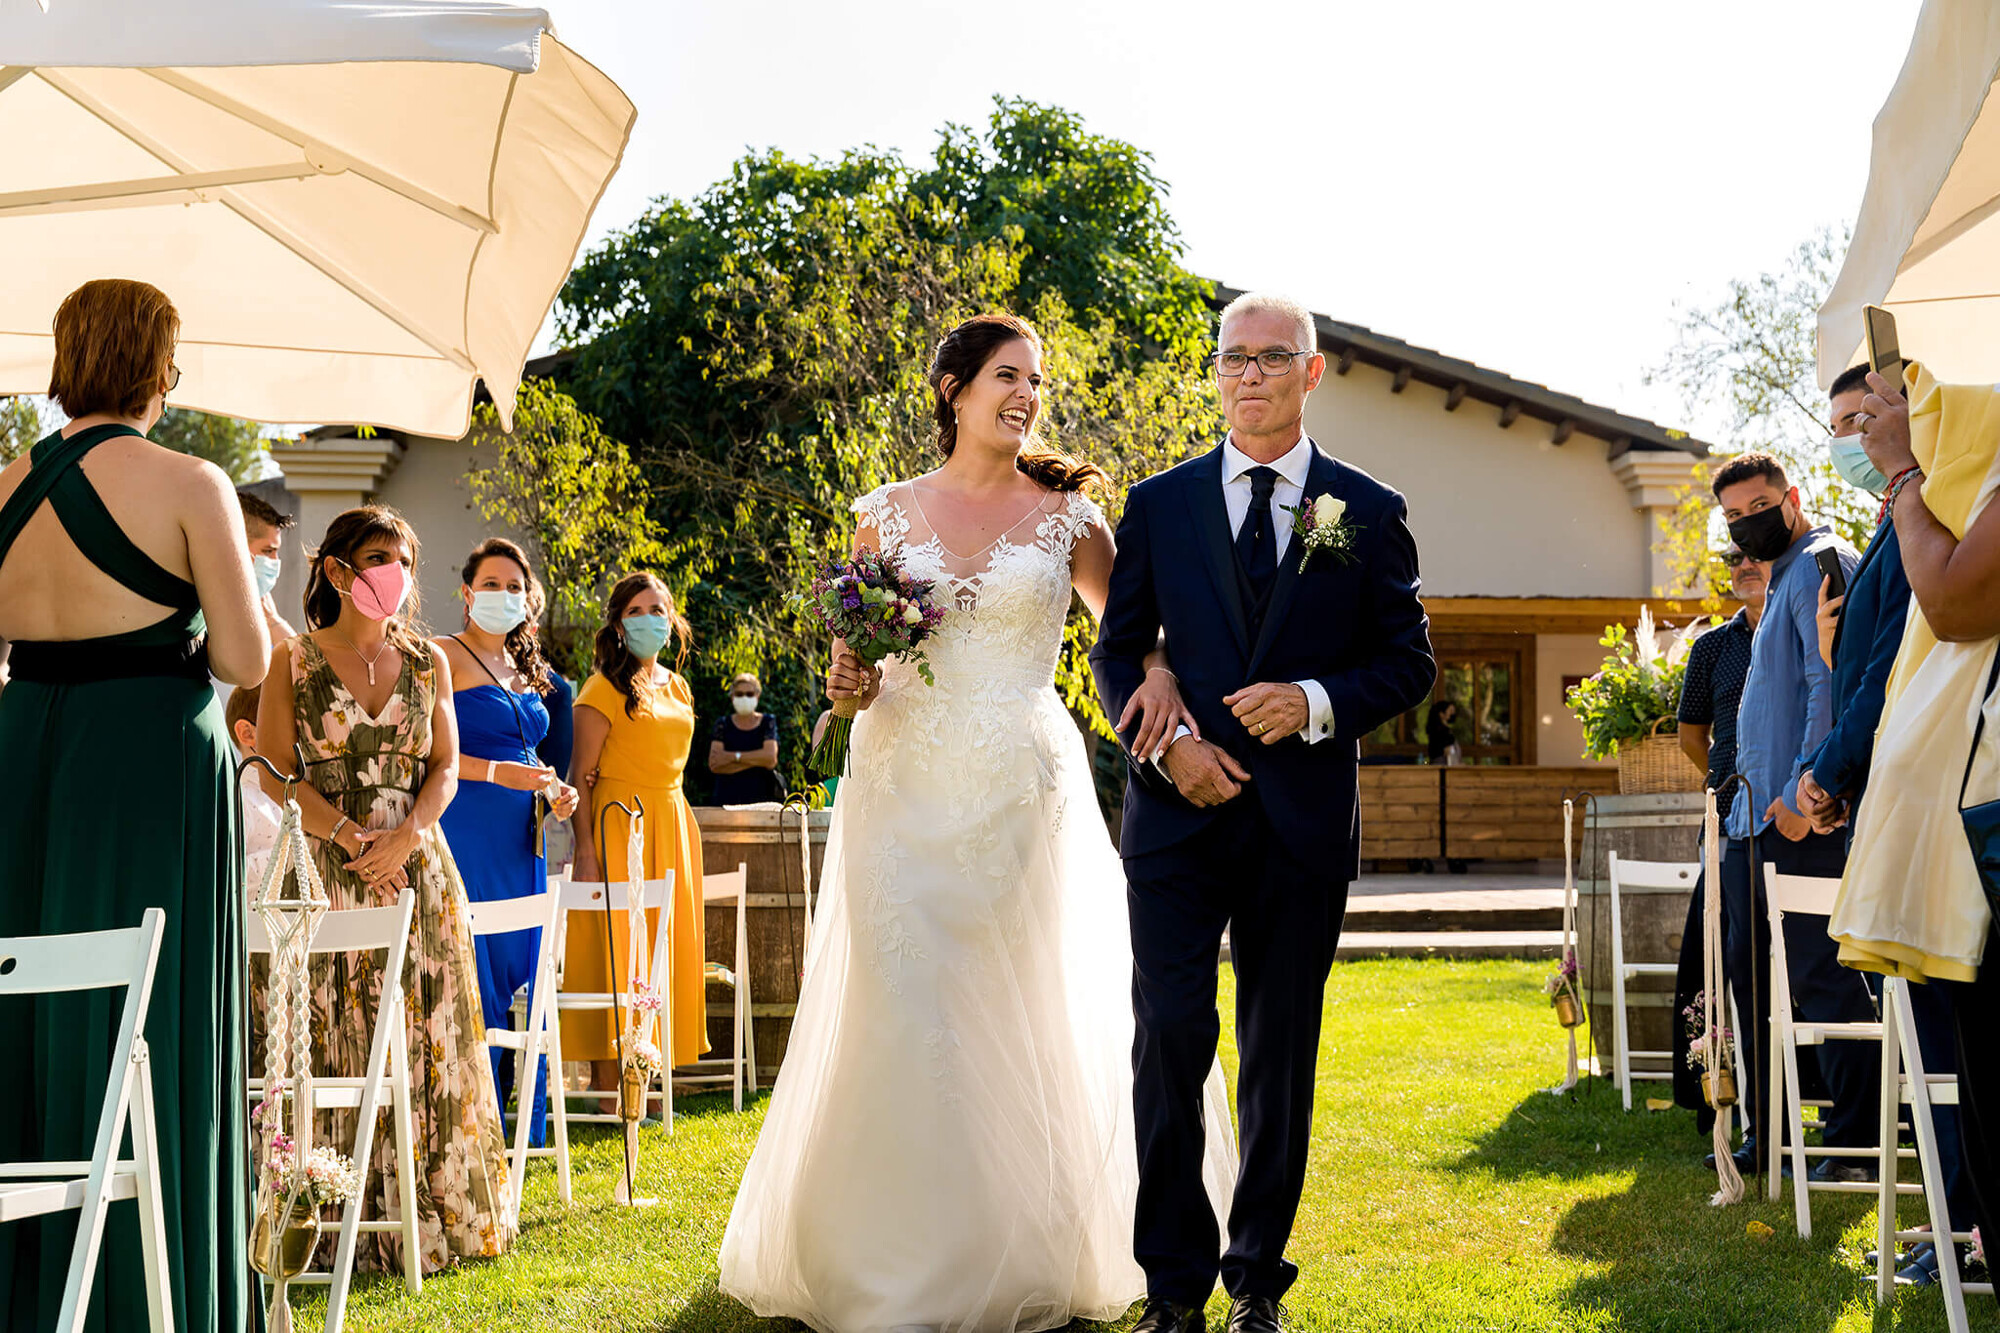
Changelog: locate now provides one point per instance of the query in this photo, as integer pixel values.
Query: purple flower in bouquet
(879, 611)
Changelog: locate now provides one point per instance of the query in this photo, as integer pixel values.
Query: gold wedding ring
(1259, 730)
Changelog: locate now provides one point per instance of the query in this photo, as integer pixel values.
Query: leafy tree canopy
(763, 347)
(1754, 352)
(235, 446)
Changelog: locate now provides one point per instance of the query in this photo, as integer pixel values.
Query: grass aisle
(1447, 1194)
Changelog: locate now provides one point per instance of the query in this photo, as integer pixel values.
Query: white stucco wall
(1496, 513)
(428, 488)
(1558, 735)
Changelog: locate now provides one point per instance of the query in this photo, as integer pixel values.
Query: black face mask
(1764, 535)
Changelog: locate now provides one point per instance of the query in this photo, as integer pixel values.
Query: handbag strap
(512, 703)
(1978, 730)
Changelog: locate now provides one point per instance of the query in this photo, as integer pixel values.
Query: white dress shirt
(1288, 490)
(261, 819)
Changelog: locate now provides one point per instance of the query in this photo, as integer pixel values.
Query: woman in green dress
(124, 581)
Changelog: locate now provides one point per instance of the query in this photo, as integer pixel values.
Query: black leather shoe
(1253, 1314)
(1162, 1316)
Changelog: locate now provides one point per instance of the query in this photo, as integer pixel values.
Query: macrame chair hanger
(289, 925)
(611, 949)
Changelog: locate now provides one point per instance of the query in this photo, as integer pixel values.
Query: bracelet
(1896, 485)
(1170, 675)
(341, 823)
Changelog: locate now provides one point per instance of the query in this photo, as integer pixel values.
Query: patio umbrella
(360, 208)
(1927, 240)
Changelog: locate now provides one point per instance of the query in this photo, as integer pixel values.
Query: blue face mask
(267, 569)
(498, 612)
(645, 636)
(1850, 460)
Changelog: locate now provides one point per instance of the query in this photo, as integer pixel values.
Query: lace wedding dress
(950, 1144)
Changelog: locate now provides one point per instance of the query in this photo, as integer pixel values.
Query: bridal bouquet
(869, 603)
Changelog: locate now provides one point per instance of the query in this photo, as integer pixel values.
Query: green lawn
(1448, 1193)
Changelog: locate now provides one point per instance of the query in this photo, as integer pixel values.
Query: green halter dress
(116, 794)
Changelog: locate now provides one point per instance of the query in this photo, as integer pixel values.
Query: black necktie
(1257, 542)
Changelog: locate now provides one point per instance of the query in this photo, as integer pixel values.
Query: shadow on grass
(1658, 1256)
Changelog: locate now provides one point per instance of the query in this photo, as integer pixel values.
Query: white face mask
(267, 569)
(498, 612)
(744, 704)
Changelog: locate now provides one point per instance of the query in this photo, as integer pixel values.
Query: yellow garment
(643, 756)
(1910, 903)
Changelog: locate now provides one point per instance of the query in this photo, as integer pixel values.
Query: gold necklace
(366, 661)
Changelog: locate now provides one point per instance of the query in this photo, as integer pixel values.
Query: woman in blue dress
(499, 680)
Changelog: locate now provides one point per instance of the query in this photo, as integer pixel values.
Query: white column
(1652, 478)
(329, 475)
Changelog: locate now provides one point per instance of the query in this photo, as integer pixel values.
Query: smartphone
(1828, 560)
(1884, 357)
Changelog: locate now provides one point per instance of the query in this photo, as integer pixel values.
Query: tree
(1755, 352)
(235, 446)
(20, 427)
(764, 347)
(577, 501)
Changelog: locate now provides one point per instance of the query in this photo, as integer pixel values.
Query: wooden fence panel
(1513, 814)
(1399, 811)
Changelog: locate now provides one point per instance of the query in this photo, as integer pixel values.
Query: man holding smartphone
(1868, 636)
(1783, 718)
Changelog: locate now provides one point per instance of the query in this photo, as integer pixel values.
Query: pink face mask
(379, 593)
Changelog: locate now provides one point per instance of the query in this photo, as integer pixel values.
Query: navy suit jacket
(1864, 652)
(1357, 628)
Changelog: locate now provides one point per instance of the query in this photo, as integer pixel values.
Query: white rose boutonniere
(1320, 524)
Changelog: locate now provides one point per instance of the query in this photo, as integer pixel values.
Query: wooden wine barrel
(1638, 828)
(753, 838)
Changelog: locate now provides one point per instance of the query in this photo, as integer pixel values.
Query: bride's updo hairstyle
(962, 354)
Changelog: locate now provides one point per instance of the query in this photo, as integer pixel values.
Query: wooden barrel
(754, 839)
(1638, 828)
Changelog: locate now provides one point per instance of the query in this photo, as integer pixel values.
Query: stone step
(1450, 944)
(1476, 910)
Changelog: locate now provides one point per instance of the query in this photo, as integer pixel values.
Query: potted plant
(1561, 990)
(1628, 709)
(1713, 1055)
(295, 1189)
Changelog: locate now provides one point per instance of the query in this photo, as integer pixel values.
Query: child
(261, 814)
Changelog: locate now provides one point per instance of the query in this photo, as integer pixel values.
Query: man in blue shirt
(1785, 715)
(1868, 637)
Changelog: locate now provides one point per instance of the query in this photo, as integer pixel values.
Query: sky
(1537, 186)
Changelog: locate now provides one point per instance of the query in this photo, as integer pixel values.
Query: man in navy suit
(1286, 663)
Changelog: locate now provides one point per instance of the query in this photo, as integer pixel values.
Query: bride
(950, 1144)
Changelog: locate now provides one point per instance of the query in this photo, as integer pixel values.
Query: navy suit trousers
(1283, 918)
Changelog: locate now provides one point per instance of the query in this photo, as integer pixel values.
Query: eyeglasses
(1734, 559)
(173, 378)
(1233, 364)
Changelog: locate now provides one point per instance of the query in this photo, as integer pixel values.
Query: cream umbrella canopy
(360, 208)
(1927, 239)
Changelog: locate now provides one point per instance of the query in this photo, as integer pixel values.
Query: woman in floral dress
(367, 698)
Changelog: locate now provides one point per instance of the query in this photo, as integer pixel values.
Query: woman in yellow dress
(634, 728)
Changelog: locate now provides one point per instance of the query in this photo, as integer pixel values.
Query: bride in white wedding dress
(949, 1145)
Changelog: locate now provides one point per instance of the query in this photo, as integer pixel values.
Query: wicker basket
(1655, 764)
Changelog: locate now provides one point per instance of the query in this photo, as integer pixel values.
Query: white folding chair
(367, 930)
(1626, 874)
(100, 960)
(718, 891)
(1904, 1082)
(538, 1037)
(1801, 895)
(595, 899)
